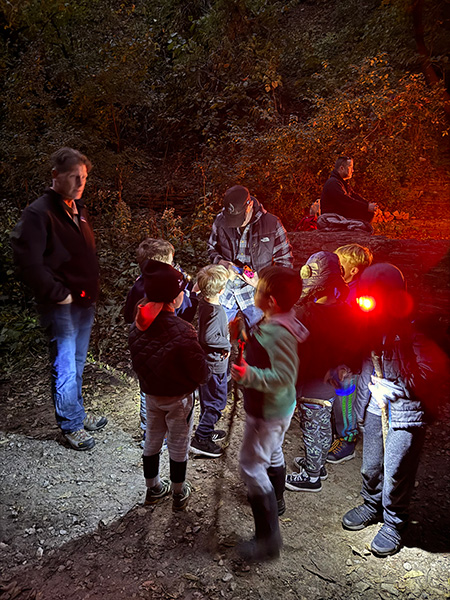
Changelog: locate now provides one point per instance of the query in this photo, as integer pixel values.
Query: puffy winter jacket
(167, 357)
(406, 363)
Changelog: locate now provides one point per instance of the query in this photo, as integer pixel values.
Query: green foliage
(176, 100)
(390, 126)
(20, 333)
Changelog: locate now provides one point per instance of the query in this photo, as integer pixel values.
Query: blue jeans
(213, 399)
(388, 476)
(251, 314)
(70, 329)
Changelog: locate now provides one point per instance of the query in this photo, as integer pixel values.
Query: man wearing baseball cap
(243, 235)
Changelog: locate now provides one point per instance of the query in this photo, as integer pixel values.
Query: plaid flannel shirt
(237, 291)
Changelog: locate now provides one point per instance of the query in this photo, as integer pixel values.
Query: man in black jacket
(54, 249)
(245, 234)
(338, 197)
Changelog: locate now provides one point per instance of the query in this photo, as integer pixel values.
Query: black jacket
(54, 256)
(337, 197)
(167, 357)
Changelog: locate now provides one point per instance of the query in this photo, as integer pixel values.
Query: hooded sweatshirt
(272, 355)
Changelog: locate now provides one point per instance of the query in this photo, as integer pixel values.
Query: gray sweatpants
(262, 448)
(173, 416)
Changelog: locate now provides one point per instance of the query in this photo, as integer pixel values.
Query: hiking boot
(180, 501)
(218, 435)
(79, 440)
(359, 517)
(94, 422)
(156, 494)
(300, 463)
(386, 542)
(205, 447)
(340, 451)
(301, 482)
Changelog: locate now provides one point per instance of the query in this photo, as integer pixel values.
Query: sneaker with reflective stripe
(180, 501)
(156, 494)
(300, 463)
(301, 482)
(205, 447)
(340, 451)
(218, 435)
(79, 440)
(94, 422)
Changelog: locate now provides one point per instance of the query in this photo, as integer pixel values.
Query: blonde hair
(356, 255)
(155, 249)
(211, 280)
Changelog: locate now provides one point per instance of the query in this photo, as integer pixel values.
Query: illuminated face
(70, 184)
(350, 271)
(346, 170)
(248, 214)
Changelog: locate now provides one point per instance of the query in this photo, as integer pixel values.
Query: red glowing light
(366, 303)
(83, 294)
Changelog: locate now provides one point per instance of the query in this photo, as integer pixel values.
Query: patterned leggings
(315, 423)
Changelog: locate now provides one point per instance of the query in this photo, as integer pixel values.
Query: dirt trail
(73, 525)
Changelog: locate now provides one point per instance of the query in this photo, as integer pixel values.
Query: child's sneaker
(387, 541)
(340, 451)
(180, 501)
(301, 482)
(94, 422)
(205, 447)
(300, 463)
(218, 435)
(155, 494)
(79, 440)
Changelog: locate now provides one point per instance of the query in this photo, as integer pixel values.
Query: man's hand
(238, 371)
(67, 300)
(372, 206)
(253, 281)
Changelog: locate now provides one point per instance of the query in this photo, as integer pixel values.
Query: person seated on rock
(338, 197)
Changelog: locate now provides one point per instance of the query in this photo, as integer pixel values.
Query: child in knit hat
(331, 325)
(170, 365)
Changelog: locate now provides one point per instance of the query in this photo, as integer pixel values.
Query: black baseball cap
(235, 203)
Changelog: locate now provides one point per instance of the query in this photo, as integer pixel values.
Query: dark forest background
(176, 100)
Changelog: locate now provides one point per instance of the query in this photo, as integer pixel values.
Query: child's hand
(336, 376)
(236, 328)
(238, 371)
(384, 391)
